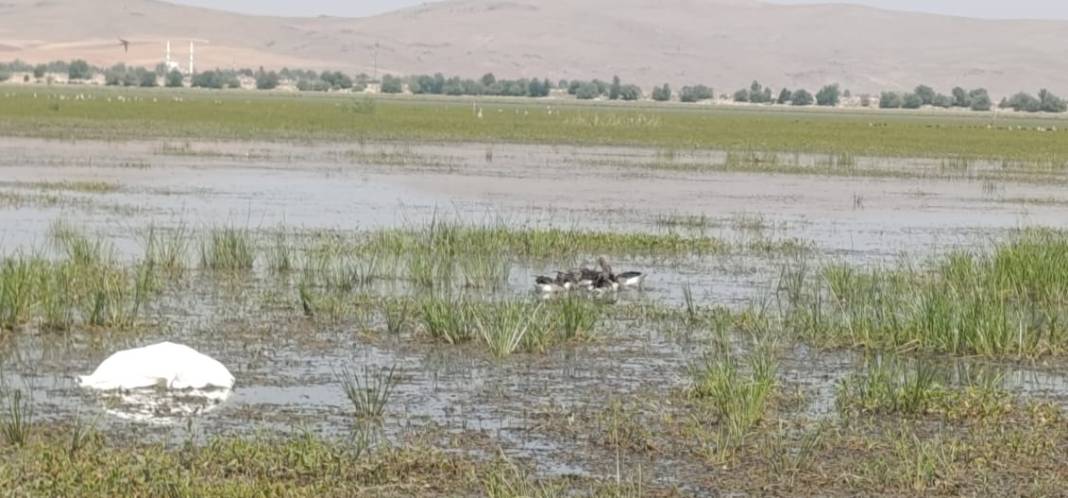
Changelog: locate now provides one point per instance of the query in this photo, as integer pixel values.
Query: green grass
(91, 187)
(1008, 301)
(85, 285)
(578, 317)
(168, 249)
(369, 391)
(228, 249)
(17, 421)
(738, 393)
(300, 466)
(508, 326)
(687, 221)
(446, 319)
(490, 240)
(888, 385)
(280, 254)
(397, 315)
(252, 116)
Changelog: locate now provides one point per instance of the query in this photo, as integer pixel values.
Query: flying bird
(125, 45)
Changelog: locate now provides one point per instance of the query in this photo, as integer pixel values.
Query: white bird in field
(173, 366)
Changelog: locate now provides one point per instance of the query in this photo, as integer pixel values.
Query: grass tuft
(18, 419)
(369, 391)
(228, 249)
(1008, 302)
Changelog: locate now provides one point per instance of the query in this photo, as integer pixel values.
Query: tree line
(977, 99)
(829, 95)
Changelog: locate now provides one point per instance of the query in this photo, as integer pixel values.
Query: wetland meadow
(836, 304)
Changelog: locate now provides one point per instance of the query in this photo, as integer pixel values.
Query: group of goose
(598, 280)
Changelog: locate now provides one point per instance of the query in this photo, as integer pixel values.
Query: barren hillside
(724, 43)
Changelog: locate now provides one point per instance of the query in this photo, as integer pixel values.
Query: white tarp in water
(161, 383)
(167, 365)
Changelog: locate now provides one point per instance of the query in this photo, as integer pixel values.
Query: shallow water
(287, 368)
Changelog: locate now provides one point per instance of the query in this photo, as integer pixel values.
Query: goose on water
(548, 285)
(600, 280)
(630, 279)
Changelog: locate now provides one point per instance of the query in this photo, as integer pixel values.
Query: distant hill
(722, 43)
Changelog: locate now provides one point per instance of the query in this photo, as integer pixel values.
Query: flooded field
(749, 363)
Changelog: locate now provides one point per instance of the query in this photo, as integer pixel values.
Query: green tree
(630, 92)
(536, 89)
(960, 98)
(79, 70)
(828, 95)
(453, 86)
(741, 95)
(785, 96)
(979, 100)
(925, 93)
(890, 100)
(695, 93)
(337, 79)
(802, 97)
(756, 93)
(613, 91)
(266, 80)
(943, 101)
(1050, 102)
(662, 94)
(911, 101)
(488, 79)
(1024, 102)
(588, 91)
(208, 79)
(39, 71)
(392, 84)
(174, 79)
(148, 79)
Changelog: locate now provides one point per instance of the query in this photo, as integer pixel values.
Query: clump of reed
(168, 249)
(891, 385)
(738, 392)
(508, 326)
(535, 242)
(85, 285)
(228, 249)
(18, 418)
(1008, 302)
(888, 385)
(369, 391)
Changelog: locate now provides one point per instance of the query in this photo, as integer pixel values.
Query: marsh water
(287, 368)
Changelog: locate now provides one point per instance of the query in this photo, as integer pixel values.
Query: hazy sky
(1031, 9)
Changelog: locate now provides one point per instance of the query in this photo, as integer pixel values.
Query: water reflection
(161, 406)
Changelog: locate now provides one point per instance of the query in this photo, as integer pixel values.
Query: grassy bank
(140, 114)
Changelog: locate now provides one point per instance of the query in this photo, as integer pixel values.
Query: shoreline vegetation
(133, 113)
(831, 95)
